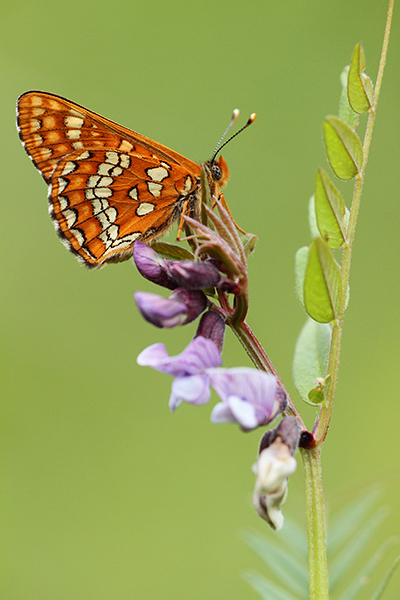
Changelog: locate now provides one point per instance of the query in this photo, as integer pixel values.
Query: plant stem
(317, 562)
(334, 358)
(260, 359)
(318, 572)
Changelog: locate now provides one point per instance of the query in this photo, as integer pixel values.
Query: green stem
(318, 572)
(317, 562)
(333, 368)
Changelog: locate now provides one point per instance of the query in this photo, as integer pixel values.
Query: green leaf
(300, 270)
(289, 571)
(322, 283)
(359, 86)
(348, 555)
(344, 525)
(329, 210)
(172, 251)
(311, 357)
(346, 113)
(364, 576)
(266, 589)
(343, 148)
(381, 588)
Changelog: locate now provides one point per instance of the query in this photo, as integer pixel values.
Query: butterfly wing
(108, 186)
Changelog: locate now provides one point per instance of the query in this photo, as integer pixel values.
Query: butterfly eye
(216, 172)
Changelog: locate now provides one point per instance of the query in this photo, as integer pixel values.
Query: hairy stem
(333, 368)
(317, 562)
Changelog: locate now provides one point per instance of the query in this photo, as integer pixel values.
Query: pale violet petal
(194, 389)
(243, 412)
(221, 413)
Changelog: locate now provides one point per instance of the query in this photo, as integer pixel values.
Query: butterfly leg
(225, 205)
(181, 220)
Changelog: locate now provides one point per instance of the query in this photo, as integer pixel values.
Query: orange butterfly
(108, 186)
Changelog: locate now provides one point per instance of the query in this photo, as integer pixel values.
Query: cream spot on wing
(77, 113)
(157, 173)
(36, 101)
(84, 155)
(36, 112)
(166, 165)
(107, 217)
(109, 236)
(78, 236)
(102, 192)
(77, 146)
(105, 181)
(62, 184)
(45, 153)
(104, 168)
(54, 104)
(38, 139)
(144, 209)
(133, 193)
(89, 194)
(70, 217)
(99, 206)
(116, 171)
(125, 146)
(125, 161)
(154, 188)
(92, 181)
(35, 125)
(188, 184)
(63, 202)
(73, 122)
(112, 157)
(126, 240)
(69, 167)
(73, 134)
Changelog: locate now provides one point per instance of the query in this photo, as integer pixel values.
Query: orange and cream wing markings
(108, 186)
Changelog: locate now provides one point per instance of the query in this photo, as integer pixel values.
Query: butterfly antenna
(235, 115)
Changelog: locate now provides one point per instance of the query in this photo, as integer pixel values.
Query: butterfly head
(217, 172)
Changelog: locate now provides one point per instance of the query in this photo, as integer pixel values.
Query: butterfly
(108, 186)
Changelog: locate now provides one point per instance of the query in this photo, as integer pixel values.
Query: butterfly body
(108, 186)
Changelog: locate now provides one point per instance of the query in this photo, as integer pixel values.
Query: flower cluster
(249, 397)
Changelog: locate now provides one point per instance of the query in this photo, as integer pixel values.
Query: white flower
(275, 464)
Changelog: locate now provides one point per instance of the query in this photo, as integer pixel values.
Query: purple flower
(182, 307)
(191, 383)
(249, 397)
(212, 326)
(175, 274)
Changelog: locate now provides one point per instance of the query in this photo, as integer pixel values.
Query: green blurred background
(105, 494)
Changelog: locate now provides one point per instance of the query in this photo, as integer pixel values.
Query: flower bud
(275, 464)
(212, 326)
(175, 274)
(151, 265)
(194, 275)
(182, 307)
